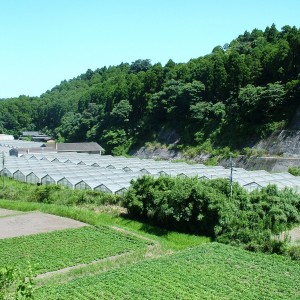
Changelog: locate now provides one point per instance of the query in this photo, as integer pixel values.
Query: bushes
(294, 171)
(54, 194)
(294, 252)
(185, 204)
(250, 220)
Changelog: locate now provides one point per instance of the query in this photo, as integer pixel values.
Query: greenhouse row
(114, 174)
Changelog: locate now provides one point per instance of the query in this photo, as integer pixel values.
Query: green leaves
(16, 283)
(205, 207)
(210, 271)
(234, 95)
(56, 250)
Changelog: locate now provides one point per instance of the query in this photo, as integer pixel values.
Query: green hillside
(240, 92)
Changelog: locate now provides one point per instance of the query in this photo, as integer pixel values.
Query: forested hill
(240, 92)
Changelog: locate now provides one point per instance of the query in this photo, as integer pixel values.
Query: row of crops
(113, 174)
(59, 249)
(209, 271)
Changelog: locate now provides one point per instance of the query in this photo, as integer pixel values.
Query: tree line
(238, 93)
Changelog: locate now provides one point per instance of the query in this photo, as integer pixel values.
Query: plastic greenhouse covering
(114, 174)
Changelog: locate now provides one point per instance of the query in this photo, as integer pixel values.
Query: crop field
(56, 250)
(209, 271)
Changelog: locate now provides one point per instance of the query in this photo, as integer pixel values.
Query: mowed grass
(59, 249)
(209, 271)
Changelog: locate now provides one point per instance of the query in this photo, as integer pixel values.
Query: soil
(7, 212)
(14, 223)
(294, 234)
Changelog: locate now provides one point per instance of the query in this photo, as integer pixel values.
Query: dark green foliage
(250, 220)
(294, 252)
(231, 97)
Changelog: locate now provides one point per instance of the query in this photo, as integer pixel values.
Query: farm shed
(90, 148)
(6, 137)
(30, 133)
(41, 138)
(33, 150)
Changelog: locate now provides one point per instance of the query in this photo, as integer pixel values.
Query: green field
(209, 271)
(56, 250)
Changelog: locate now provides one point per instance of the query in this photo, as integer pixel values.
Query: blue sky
(46, 41)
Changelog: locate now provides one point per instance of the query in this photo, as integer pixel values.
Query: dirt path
(14, 224)
(294, 234)
(8, 212)
(134, 234)
(68, 269)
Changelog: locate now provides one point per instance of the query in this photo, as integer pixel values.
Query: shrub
(57, 194)
(250, 220)
(294, 252)
(294, 171)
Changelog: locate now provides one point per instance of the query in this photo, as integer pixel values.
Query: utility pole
(231, 174)
(3, 165)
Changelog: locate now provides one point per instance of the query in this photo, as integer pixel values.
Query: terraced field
(59, 249)
(209, 271)
(130, 269)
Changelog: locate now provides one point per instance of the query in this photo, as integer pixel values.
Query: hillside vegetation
(231, 97)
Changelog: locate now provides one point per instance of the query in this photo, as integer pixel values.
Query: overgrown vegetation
(250, 220)
(56, 194)
(231, 97)
(294, 171)
(16, 283)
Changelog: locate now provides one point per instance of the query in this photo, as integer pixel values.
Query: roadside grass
(169, 240)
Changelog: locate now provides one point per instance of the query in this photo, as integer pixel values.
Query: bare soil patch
(8, 212)
(33, 223)
(294, 234)
(68, 269)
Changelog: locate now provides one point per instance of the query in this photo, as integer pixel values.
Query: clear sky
(43, 42)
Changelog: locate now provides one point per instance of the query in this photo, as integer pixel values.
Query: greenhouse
(114, 174)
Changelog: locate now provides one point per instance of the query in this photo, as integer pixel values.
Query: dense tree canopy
(238, 93)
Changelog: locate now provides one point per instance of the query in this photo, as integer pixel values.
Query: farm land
(210, 271)
(125, 259)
